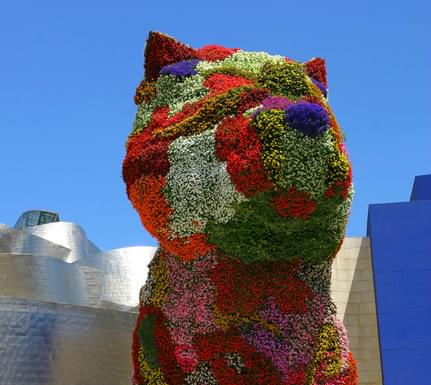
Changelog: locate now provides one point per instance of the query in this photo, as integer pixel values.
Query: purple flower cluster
(309, 118)
(275, 103)
(321, 87)
(272, 103)
(181, 69)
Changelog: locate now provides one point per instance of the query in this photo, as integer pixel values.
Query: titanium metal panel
(124, 273)
(68, 235)
(49, 279)
(23, 242)
(401, 253)
(44, 343)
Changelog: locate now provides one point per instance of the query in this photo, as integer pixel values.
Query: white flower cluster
(339, 217)
(243, 60)
(175, 91)
(172, 91)
(143, 115)
(198, 187)
(201, 375)
(308, 160)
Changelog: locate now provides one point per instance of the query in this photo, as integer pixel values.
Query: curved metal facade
(46, 343)
(68, 235)
(124, 272)
(67, 310)
(49, 279)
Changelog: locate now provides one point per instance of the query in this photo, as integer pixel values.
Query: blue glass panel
(400, 236)
(421, 188)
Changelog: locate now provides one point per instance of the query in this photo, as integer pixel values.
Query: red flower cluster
(340, 188)
(147, 155)
(188, 248)
(162, 50)
(147, 197)
(251, 98)
(243, 288)
(296, 377)
(165, 349)
(214, 52)
(294, 203)
(351, 375)
(240, 146)
(219, 83)
(188, 110)
(316, 68)
(256, 369)
(186, 357)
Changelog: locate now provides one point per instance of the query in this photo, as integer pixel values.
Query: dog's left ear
(162, 50)
(316, 69)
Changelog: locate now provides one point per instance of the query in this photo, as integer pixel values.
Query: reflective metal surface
(24, 242)
(124, 272)
(45, 343)
(35, 263)
(67, 310)
(49, 279)
(68, 235)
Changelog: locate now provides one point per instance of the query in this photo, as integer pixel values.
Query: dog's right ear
(162, 50)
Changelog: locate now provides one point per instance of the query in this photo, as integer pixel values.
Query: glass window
(35, 218)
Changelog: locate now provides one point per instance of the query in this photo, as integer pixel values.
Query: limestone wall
(352, 290)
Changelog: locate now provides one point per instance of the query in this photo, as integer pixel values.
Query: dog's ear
(162, 50)
(316, 69)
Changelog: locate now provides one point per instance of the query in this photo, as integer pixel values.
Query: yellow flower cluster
(270, 127)
(285, 79)
(225, 321)
(161, 283)
(327, 354)
(153, 376)
(208, 116)
(338, 165)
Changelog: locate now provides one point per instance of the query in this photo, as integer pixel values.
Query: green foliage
(146, 336)
(292, 159)
(257, 233)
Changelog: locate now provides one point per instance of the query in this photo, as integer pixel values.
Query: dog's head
(237, 152)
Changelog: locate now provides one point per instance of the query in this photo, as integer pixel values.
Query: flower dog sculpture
(237, 166)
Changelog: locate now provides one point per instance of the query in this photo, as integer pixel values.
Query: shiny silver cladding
(49, 279)
(124, 272)
(56, 262)
(65, 234)
(23, 242)
(67, 309)
(55, 344)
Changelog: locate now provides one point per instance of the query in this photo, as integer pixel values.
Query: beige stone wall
(352, 290)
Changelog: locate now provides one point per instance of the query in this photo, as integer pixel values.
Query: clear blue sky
(68, 72)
